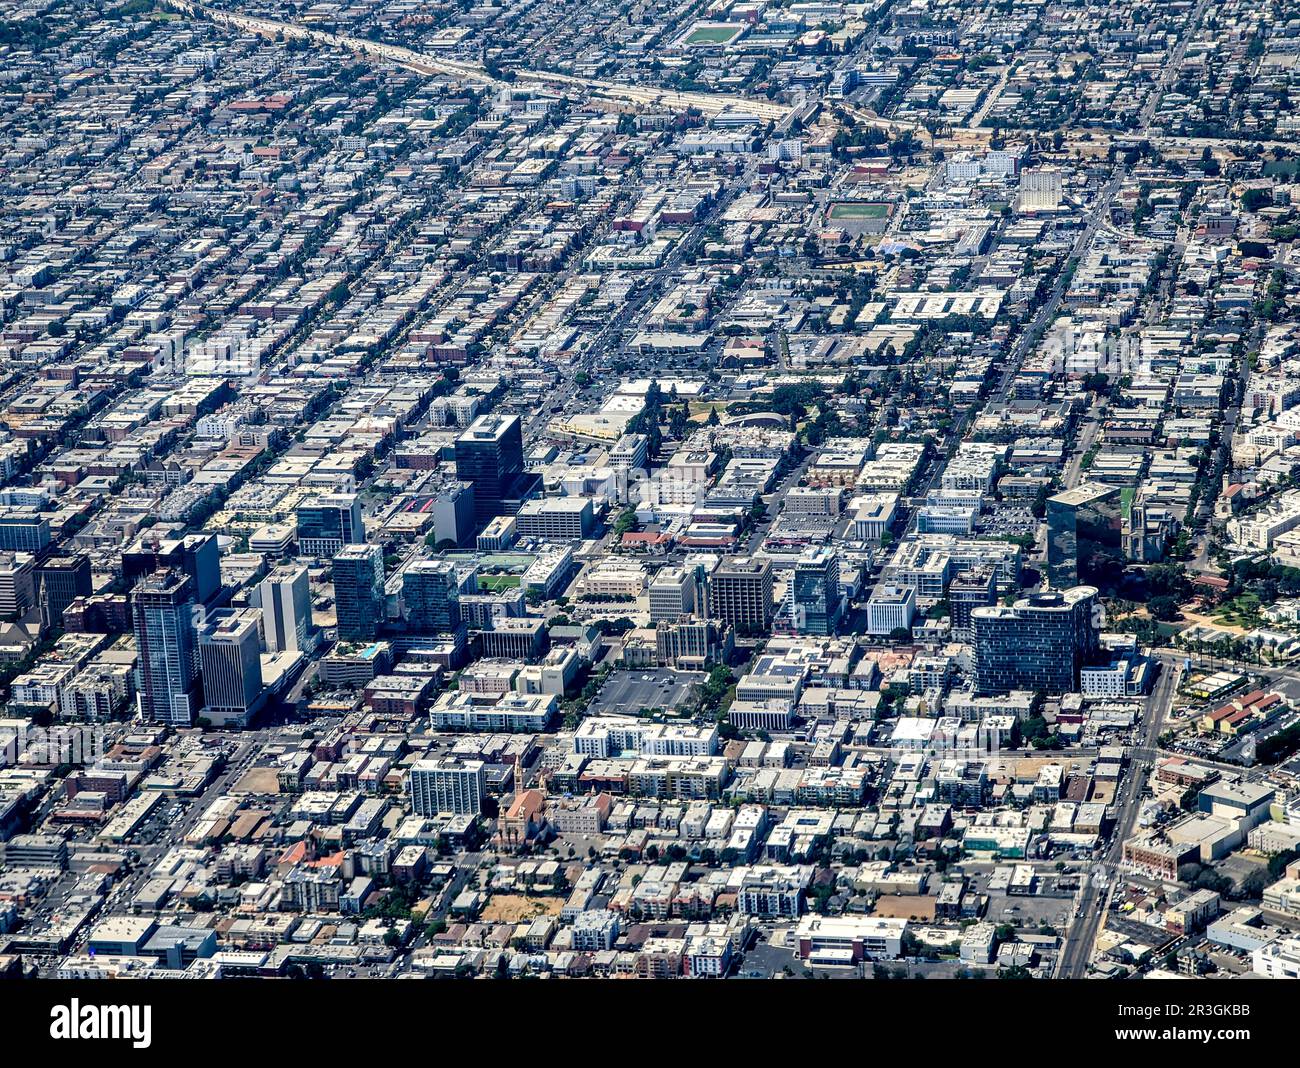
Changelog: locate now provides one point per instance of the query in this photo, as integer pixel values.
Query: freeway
(642, 95)
(869, 118)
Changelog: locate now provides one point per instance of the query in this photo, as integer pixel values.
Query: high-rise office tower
(329, 522)
(1084, 526)
(166, 612)
(195, 555)
(976, 588)
(17, 585)
(1038, 643)
(672, 594)
(286, 609)
(447, 785)
(359, 591)
(230, 661)
(490, 456)
(815, 600)
(431, 595)
(453, 513)
(61, 580)
(740, 593)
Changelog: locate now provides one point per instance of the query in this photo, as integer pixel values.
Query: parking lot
(1009, 521)
(1029, 911)
(629, 692)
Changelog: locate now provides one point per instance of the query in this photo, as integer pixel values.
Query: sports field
(714, 33)
(859, 211)
(494, 583)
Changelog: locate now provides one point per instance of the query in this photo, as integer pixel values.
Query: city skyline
(781, 489)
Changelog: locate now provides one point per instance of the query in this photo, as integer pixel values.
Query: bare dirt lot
(258, 781)
(515, 908)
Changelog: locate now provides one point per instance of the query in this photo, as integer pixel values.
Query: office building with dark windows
(359, 591)
(166, 635)
(815, 600)
(490, 456)
(1084, 534)
(431, 596)
(60, 581)
(195, 555)
(1038, 643)
(329, 522)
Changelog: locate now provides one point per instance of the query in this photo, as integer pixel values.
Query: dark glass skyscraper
(166, 614)
(1084, 530)
(62, 579)
(490, 456)
(359, 591)
(815, 593)
(329, 522)
(969, 590)
(196, 555)
(431, 594)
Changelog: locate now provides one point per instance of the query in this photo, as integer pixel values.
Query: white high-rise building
(286, 610)
(1040, 189)
(672, 594)
(450, 785)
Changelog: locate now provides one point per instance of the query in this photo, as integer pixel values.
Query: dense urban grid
(750, 488)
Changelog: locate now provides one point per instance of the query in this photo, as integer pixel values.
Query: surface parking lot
(628, 692)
